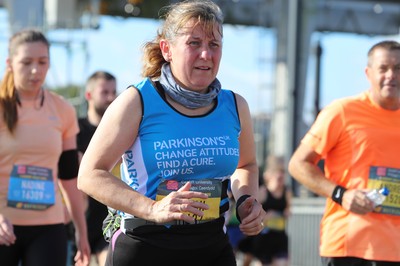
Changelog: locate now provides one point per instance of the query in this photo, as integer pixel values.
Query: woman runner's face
(195, 56)
(29, 65)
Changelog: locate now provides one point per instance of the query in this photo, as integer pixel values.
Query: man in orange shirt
(359, 138)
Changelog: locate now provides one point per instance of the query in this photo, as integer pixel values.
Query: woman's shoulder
(144, 84)
(59, 101)
(240, 101)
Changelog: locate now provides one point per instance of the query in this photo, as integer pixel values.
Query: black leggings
(352, 261)
(36, 246)
(129, 251)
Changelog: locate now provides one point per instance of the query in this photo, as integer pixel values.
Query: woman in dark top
(271, 246)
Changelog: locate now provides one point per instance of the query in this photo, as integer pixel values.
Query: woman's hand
(180, 205)
(7, 236)
(252, 216)
(82, 257)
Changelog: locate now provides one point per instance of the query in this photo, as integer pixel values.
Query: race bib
(390, 178)
(31, 188)
(211, 187)
(277, 223)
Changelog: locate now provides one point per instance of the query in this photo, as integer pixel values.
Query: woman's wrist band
(238, 202)
(337, 194)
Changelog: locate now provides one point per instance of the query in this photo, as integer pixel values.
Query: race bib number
(31, 188)
(390, 178)
(211, 187)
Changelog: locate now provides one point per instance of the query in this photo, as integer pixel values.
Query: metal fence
(303, 231)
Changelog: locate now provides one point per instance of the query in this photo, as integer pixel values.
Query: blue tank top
(174, 146)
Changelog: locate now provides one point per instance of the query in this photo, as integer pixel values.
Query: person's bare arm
(303, 167)
(74, 202)
(244, 180)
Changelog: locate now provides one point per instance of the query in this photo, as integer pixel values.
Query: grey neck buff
(187, 98)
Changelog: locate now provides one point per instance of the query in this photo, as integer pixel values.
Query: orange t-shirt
(36, 143)
(355, 137)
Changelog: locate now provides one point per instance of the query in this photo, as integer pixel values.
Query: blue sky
(247, 65)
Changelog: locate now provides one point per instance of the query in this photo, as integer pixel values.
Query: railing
(303, 231)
